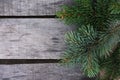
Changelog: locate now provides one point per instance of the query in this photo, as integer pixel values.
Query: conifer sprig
(95, 45)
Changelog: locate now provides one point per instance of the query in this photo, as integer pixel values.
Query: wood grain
(30, 7)
(32, 38)
(39, 72)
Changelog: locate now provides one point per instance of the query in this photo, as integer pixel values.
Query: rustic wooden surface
(30, 7)
(39, 72)
(32, 38)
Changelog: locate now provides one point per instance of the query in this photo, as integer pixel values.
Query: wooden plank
(39, 72)
(30, 7)
(32, 38)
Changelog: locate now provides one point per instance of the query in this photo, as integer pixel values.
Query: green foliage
(96, 43)
(79, 49)
(83, 13)
(112, 65)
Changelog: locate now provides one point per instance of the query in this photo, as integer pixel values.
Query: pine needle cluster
(95, 44)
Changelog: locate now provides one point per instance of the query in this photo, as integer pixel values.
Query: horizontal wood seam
(27, 61)
(41, 16)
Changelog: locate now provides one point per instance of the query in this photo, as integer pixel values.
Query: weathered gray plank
(39, 72)
(32, 38)
(30, 7)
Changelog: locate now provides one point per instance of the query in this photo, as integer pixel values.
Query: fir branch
(97, 38)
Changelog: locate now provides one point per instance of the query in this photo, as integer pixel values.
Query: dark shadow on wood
(27, 61)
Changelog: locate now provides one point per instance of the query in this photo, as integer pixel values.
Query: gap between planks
(27, 61)
(41, 16)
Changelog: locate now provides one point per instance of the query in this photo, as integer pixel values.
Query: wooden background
(30, 7)
(36, 39)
